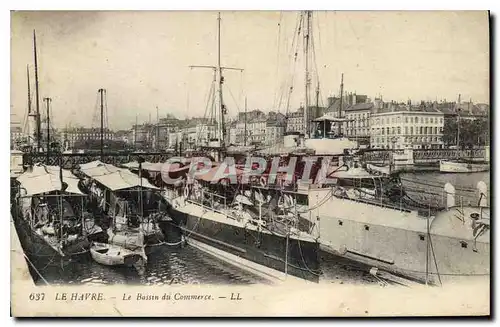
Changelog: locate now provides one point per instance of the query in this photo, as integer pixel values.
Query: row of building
(375, 123)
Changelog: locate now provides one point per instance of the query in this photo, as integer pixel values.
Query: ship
(50, 216)
(463, 166)
(222, 221)
(126, 205)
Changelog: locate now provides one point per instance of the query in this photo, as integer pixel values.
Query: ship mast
(218, 69)
(38, 124)
(307, 79)
(157, 129)
(31, 115)
(245, 134)
(29, 90)
(341, 102)
(458, 126)
(47, 101)
(101, 136)
(220, 121)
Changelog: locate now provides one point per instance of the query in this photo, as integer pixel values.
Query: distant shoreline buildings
(375, 123)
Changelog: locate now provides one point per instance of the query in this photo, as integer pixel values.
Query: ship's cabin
(328, 127)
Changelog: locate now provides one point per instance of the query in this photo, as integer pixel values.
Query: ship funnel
(450, 195)
(483, 194)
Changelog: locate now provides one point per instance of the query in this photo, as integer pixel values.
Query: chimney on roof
(470, 106)
(354, 98)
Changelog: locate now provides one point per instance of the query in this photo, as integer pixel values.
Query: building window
(421, 130)
(435, 130)
(399, 130)
(411, 130)
(406, 119)
(441, 120)
(406, 129)
(416, 120)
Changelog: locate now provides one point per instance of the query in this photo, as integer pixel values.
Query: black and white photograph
(160, 151)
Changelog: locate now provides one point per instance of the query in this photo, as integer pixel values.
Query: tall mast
(135, 133)
(307, 81)
(47, 101)
(221, 80)
(218, 78)
(458, 132)
(31, 132)
(245, 135)
(341, 101)
(38, 124)
(317, 97)
(101, 91)
(29, 90)
(157, 129)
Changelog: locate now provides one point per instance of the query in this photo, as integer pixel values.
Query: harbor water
(168, 265)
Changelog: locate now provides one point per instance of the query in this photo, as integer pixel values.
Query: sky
(142, 59)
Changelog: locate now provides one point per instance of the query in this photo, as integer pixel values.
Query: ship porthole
(463, 244)
(367, 227)
(341, 222)
(422, 237)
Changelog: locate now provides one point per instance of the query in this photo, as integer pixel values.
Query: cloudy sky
(143, 58)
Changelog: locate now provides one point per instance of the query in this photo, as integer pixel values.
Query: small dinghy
(114, 255)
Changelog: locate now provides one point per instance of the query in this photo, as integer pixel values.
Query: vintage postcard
(250, 163)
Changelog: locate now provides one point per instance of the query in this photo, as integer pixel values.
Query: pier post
(450, 195)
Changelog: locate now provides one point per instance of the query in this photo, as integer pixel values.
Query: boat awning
(114, 178)
(44, 179)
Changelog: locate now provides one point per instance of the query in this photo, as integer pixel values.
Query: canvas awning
(44, 179)
(114, 178)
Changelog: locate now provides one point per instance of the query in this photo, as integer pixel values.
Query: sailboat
(219, 221)
(462, 165)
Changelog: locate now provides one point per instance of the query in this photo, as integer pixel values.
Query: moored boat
(463, 166)
(50, 216)
(114, 255)
(126, 200)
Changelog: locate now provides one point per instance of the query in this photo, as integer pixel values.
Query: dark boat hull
(40, 251)
(264, 249)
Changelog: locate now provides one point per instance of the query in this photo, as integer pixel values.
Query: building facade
(400, 129)
(76, 136)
